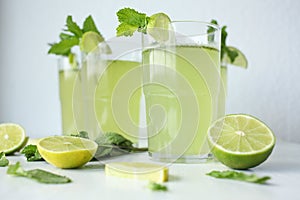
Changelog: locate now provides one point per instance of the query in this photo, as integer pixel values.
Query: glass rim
(217, 27)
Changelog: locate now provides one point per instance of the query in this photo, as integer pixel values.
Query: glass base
(181, 159)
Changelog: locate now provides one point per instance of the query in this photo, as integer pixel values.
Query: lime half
(67, 151)
(12, 137)
(137, 170)
(240, 60)
(240, 141)
(90, 41)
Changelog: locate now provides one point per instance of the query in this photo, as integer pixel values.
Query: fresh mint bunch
(240, 176)
(71, 36)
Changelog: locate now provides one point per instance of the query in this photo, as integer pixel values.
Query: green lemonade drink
(71, 100)
(183, 100)
(117, 108)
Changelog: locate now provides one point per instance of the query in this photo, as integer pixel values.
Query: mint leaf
(64, 36)
(43, 176)
(39, 175)
(16, 170)
(131, 21)
(114, 144)
(31, 153)
(89, 25)
(223, 41)
(132, 17)
(240, 176)
(157, 187)
(63, 47)
(3, 160)
(73, 27)
(126, 29)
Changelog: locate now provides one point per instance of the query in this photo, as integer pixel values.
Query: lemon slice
(12, 138)
(240, 141)
(240, 60)
(67, 151)
(138, 170)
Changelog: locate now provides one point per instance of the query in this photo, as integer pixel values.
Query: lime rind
(10, 142)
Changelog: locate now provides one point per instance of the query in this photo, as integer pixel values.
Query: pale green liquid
(71, 101)
(187, 101)
(117, 99)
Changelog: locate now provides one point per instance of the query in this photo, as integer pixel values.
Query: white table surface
(187, 181)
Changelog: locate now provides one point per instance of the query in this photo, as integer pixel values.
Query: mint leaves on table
(240, 176)
(31, 153)
(157, 187)
(39, 175)
(3, 160)
(72, 35)
(131, 21)
(224, 48)
(111, 144)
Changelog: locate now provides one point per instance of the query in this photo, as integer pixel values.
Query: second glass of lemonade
(182, 86)
(112, 88)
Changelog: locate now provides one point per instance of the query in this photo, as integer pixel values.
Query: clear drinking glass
(112, 91)
(70, 94)
(182, 89)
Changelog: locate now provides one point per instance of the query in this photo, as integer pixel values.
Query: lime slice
(137, 170)
(67, 151)
(12, 137)
(90, 41)
(159, 27)
(240, 60)
(240, 141)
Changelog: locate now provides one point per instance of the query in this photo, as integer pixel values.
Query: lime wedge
(240, 60)
(137, 170)
(67, 151)
(90, 41)
(240, 141)
(12, 138)
(159, 27)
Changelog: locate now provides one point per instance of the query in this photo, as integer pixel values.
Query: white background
(266, 31)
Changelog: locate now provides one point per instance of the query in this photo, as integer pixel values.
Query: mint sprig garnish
(240, 176)
(72, 35)
(224, 48)
(131, 21)
(39, 175)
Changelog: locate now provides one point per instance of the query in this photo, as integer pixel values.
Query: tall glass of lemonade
(182, 87)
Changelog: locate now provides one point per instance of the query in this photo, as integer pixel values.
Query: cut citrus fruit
(67, 151)
(240, 60)
(159, 27)
(90, 41)
(137, 170)
(12, 138)
(240, 141)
